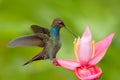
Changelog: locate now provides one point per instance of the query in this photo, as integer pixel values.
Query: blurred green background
(16, 16)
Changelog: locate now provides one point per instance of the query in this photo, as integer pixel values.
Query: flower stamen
(93, 48)
(76, 45)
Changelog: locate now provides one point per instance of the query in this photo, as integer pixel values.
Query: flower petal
(101, 48)
(91, 73)
(85, 48)
(68, 64)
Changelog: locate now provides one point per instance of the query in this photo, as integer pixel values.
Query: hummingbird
(49, 40)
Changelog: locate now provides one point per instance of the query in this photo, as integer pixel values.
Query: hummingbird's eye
(60, 22)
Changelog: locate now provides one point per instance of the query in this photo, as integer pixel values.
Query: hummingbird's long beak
(71, 31)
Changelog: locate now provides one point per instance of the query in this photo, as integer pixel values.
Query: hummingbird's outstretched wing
(39, 29)
(37, 39)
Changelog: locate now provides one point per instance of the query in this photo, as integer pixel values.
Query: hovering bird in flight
(42, 37)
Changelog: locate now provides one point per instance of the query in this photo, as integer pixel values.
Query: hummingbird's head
(58, 22)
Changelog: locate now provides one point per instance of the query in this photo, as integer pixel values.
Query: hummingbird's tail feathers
(34, 59)
(39, 56)
(27, 62)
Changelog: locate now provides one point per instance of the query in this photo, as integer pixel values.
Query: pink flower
(88, 54)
